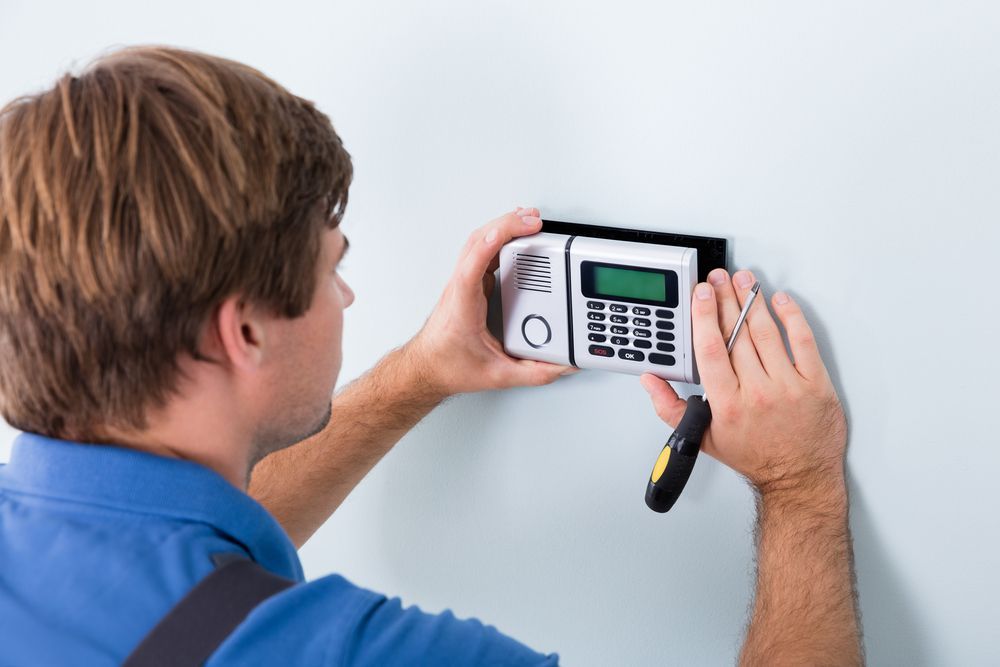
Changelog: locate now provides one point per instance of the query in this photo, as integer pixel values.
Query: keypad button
(661, 359)
(619, 330)
(596, 316)
(665, 347)
(595, 305)
(660, 324)
(665, 314)
(594, 326)
(597, 338)
(664, 335)
(601, 351)
(618, 340)
(640, 333)
(631, 355)
(619, 319)
(644, 344)
(617, 308)
(640, 322)
(639, 310)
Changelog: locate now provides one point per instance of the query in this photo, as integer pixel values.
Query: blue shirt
(97, 543)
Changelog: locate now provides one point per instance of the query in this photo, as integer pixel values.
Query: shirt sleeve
(388, 634)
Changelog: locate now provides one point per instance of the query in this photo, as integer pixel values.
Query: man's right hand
(782, 426)
(777, 422)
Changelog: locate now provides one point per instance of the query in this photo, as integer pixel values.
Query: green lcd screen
(628, 284)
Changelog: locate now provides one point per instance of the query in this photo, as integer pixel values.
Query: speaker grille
(533, 273)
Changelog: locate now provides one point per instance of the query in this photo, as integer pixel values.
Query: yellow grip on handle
(661, 464)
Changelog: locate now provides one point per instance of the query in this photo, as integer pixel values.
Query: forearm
(805, 608)
(303, 484)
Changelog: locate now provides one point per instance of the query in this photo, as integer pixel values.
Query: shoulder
(332, 621)
(301, 625)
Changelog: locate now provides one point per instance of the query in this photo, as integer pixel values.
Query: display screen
(626, 283)
(629, 284)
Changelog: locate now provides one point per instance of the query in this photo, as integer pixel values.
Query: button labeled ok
(631, 355)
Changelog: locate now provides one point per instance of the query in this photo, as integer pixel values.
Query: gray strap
(197, 625)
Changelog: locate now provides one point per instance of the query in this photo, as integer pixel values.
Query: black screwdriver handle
(674, 464)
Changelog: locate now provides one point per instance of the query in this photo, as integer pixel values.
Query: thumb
(536, 373)
(669, 407)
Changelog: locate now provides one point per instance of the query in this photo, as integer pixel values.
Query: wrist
(818, 491)
(417, 372)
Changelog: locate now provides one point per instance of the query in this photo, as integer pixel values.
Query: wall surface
(851, 153)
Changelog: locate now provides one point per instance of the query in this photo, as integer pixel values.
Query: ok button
(631, 355)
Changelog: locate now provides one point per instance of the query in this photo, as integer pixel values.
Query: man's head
(168, 224)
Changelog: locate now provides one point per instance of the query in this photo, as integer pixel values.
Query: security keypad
(624, 346)
(602, 303)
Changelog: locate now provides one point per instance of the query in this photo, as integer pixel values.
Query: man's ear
(241, 334)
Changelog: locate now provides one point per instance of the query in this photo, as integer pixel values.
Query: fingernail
(491, 235)
(569, 371)
(718, 276)
(780, 298)
(521, 211)
(743, 279)
(703, 291)
(531, 220)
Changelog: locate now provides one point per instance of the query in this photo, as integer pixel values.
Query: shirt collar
(135, 481)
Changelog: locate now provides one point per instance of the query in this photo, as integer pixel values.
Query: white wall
(850, 151)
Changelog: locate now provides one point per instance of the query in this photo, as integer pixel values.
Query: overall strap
(197, 625)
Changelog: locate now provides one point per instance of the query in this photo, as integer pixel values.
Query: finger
(763, 331)
(485, 243)
(744, 357)
(808, 362)
(477, 235)
(668, 406)
(714, 366)
(525, 372)
(523, 212)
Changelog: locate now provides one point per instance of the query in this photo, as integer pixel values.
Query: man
(170, 320)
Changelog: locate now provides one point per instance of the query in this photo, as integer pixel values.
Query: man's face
(304, 358)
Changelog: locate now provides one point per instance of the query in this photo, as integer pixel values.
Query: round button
(536, 331)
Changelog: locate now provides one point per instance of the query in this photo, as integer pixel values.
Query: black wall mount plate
(711, 249)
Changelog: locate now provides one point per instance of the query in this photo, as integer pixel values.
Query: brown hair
(134, 199)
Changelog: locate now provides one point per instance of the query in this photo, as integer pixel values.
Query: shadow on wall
(894, 634)
(893, 631)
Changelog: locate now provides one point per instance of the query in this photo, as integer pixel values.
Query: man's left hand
(454, 350)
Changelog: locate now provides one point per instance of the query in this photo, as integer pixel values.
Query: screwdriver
(674, 464)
